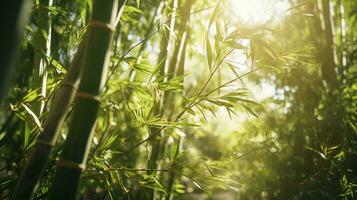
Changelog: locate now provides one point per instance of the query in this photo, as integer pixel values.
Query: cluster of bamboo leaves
(110, 99)
(134, 147)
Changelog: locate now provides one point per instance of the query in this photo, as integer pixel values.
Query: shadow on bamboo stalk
(106, 14)
(36, 164)
(14, 17)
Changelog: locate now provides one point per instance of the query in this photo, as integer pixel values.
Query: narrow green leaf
(197, 185)
(214, 14)
(57, 65)
(209, 53)
(33, 115)
(26, 134)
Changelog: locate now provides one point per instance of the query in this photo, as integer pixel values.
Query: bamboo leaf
(197, 185)
(33, 115)
(299, 5)
(57, 65)
(233, 44)
(250, 111)
(214, 14)
(209, 53)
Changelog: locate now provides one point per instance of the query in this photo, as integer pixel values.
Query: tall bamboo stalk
(329, 72)
(178, 57)
(96, 57)
(327, 47)
(15, 15)
(43, 50)
(166, 40)
(32, 173)
(163, 62)
(177, 69)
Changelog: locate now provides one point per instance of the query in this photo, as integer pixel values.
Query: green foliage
(183, 112)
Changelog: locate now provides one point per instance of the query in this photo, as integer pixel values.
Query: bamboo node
(85, 95)
(100, 24)
(65, 84)
(70, 164)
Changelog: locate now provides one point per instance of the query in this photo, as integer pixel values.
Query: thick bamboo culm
(32, 173)
(96, 57)
(15, 15)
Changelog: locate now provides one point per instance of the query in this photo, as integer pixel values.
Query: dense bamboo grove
(178, 99)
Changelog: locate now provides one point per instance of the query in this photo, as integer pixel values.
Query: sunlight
(258, 11)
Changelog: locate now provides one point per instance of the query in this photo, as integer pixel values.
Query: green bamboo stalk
(155, 142)
(177, 66)
(329, 71)
(34, 169)
(162, 61)
(15, 15)
(327, 52)
(179, 72)
(96, 57)
(172, 175)
(166, 40)
(44, 47)
(178, 57)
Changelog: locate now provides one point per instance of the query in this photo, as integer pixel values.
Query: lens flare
(258, 11)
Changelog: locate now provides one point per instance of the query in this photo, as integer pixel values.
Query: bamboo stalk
(327, 52)
(155, 142)
(15, 15)
(178, 70)
(96, 57)
(40, 63)
(178, 58)
(172, 175)
(166, 40)
(34, 169)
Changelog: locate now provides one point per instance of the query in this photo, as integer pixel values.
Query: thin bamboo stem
(41, 55)
(177, 66)
(163, 61)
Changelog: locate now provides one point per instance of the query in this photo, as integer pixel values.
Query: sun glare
(258, 11)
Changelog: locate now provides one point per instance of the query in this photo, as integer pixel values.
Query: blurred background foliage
(264, 107)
